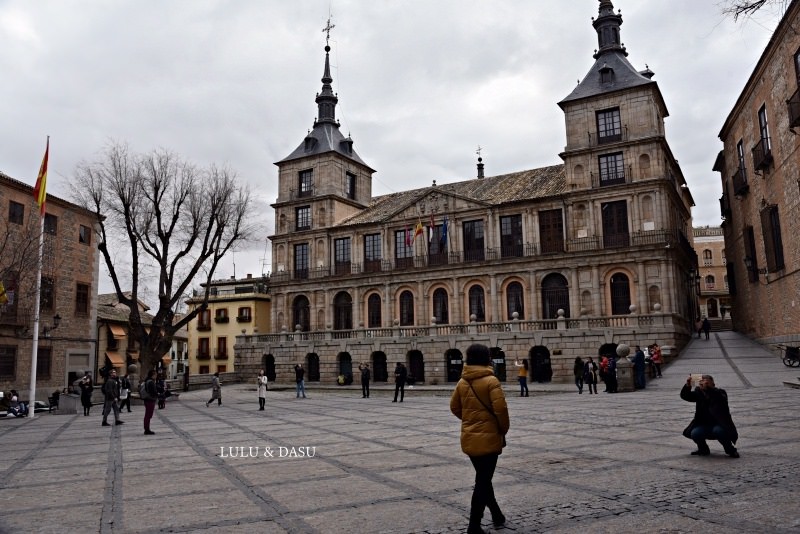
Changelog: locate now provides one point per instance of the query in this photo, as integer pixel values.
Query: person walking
(706, 327)
(712, 417)
(577, 372)
(590, 375)
(299, 378)
(86, 386)
(125, 393)
(604, 371)
(111, 398)
(639, 367)
(216, 390)
(479, 403)
(149, 395)
(365, 376)
(655, 359)
(161, 391)
(400, 375)
(611, 375)
(522, 376)
(262, 390)
(698, 326)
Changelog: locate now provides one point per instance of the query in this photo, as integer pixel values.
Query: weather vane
(327, 29)
(478, 152)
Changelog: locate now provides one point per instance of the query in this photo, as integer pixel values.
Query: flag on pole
(40, 190)
(418, 230)
(409, 238)
(444, 233)
(431, 227)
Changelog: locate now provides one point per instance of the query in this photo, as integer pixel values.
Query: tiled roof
(109, 309)
(493, 191)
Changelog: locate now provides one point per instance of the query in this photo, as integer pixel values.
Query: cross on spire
(478, 152)
(327, 30)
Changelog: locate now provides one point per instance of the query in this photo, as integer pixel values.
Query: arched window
(343, 311)
(555, 296)
(654, 296)
(710, 281)
(707, 257)
(406, 308)
(440, 308)
(374, 311)
(515, 302)
(620, 294)
(301, 314)
(477, 303)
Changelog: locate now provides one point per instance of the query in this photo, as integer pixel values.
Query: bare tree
(177, 222)
(742, 8)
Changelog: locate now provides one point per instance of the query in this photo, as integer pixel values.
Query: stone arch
(454, 363)
(476, 297)
(301, 314)
(380, 371)
(440, 304)
(514, 293)
(555, 296)
(644, 165)
(343, 311)
(619, 288)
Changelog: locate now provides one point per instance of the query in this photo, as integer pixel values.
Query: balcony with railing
(203, 355)
(762, 155)
(650, 238)
(221, 354)
(740, 185)
(794, 109)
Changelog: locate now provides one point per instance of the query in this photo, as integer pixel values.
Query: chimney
(480, 168)
(249, 276)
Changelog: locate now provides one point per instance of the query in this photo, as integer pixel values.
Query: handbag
(489, 409)
(123, 394)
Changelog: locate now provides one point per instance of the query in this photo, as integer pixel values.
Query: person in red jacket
(479, 403)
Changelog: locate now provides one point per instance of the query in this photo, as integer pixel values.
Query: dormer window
(606, 74)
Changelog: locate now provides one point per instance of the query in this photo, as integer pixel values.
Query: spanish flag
(418, 230)
(40, 190)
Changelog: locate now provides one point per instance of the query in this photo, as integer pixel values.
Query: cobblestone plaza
(574, 463)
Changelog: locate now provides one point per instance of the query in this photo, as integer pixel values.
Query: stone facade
(70, 270)
(759, 167)
(542, 264)
(712, 275)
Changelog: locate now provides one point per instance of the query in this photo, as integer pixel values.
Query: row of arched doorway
(538, 357)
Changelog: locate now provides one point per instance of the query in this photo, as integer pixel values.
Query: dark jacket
(111, 389)
(365, 375)
(299, 373)
(711, 408)
(150, 386)
(400, 374)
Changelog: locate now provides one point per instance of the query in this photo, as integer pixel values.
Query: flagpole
(40, 194)
(35, 348)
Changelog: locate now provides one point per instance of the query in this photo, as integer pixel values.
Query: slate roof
(326, 138)
(625, 77)
(492, 191)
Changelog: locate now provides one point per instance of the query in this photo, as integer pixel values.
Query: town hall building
(543, 264)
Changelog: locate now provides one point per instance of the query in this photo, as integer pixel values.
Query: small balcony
(201, 355)
(794, 109)
(762, 155)
(740, 185)
(244, 318)
(203, 327)
(221, 354)
(222, 319)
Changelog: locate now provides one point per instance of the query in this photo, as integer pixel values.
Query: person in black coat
(400, 375)
(365, 376)
(712, 417)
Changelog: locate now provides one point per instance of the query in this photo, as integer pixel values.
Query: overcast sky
(421, 84)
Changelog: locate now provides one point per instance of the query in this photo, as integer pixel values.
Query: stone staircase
(721, 325)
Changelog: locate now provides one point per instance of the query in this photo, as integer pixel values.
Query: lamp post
(47, 329)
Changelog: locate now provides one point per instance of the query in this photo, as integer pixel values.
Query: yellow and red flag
(40, 190)
(418, 230)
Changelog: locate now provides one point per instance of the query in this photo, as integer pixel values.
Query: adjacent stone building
(70, 267)
(760, 172)
(712, 276)
(543, 264)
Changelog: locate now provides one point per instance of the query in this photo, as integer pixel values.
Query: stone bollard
(624, 369)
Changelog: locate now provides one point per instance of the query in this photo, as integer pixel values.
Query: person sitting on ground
(712, 417)
(15, 407)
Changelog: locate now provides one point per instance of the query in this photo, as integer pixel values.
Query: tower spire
(607, 25)
(327, 99)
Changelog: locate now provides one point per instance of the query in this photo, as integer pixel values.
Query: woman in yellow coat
(479, 402)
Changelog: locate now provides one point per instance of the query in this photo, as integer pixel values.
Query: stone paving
(338, 463)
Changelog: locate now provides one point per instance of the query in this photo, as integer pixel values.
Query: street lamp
(56, 321)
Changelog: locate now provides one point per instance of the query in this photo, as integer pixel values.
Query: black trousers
(401, 388)
(483, 494)
(365, 388)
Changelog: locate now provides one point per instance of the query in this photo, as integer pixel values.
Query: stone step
(790, 384)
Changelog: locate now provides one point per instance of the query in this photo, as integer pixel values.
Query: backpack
(143, 393)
